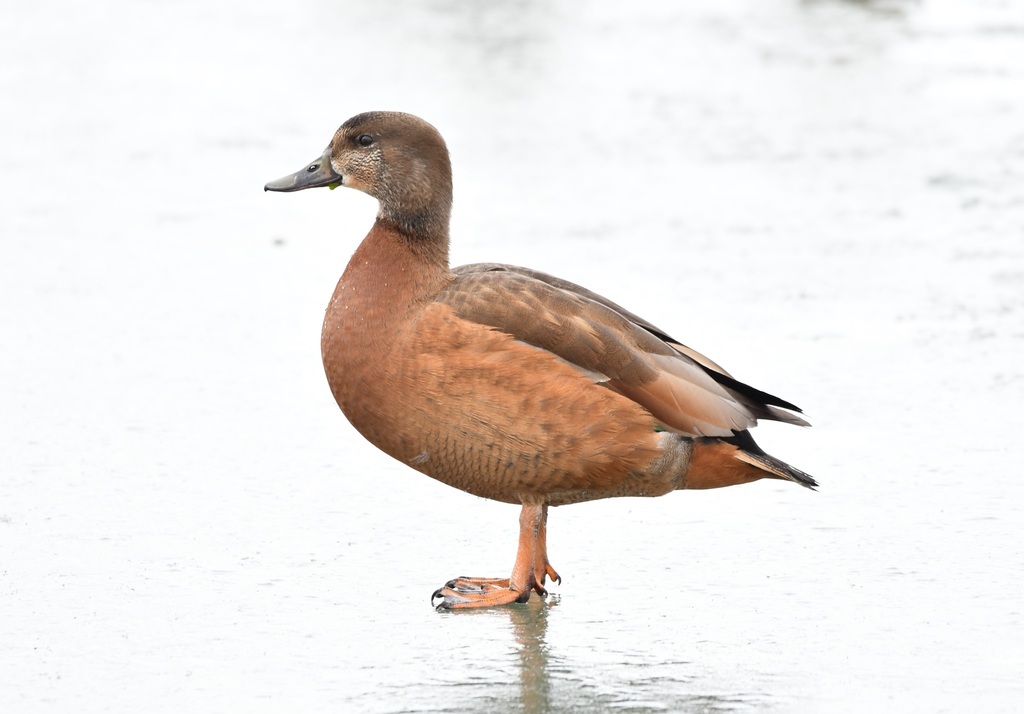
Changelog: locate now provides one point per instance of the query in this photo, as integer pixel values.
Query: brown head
(397, 158)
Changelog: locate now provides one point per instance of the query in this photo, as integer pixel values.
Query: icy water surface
(825, 197)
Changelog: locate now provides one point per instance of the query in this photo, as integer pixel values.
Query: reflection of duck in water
(530, 627)
(506, 382)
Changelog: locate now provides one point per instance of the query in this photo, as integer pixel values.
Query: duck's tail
(728, 461)
(775, 468)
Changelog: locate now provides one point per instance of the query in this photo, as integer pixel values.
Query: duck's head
(397, 158)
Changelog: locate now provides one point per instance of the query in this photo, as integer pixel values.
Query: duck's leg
(542, 568)
(527, 574)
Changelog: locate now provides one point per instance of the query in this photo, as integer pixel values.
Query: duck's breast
(477, 409)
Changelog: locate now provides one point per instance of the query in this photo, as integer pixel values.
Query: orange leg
(528, 573)
(542, 568)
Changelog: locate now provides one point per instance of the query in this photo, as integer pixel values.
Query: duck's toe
(552, 574)
(464, 593)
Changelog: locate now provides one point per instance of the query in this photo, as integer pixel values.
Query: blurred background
(825, 197)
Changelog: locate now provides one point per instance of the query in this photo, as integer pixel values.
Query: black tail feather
(756, 456)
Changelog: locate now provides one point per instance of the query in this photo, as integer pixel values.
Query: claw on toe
(550, 572)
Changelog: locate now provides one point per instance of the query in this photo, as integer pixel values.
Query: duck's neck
(421, 241)
(390, 274)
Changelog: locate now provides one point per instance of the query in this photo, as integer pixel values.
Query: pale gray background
(826, 197)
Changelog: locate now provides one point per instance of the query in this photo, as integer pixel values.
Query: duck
(509, 383)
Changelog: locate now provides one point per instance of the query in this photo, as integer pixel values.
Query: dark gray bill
(318, 173)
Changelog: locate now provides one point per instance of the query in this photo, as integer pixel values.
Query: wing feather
(685, 391)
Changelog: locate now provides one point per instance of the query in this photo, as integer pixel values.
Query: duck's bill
(318, 173)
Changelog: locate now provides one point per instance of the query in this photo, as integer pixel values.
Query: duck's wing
(685, 391)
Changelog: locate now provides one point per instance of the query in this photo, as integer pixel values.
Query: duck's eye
(365, 140)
